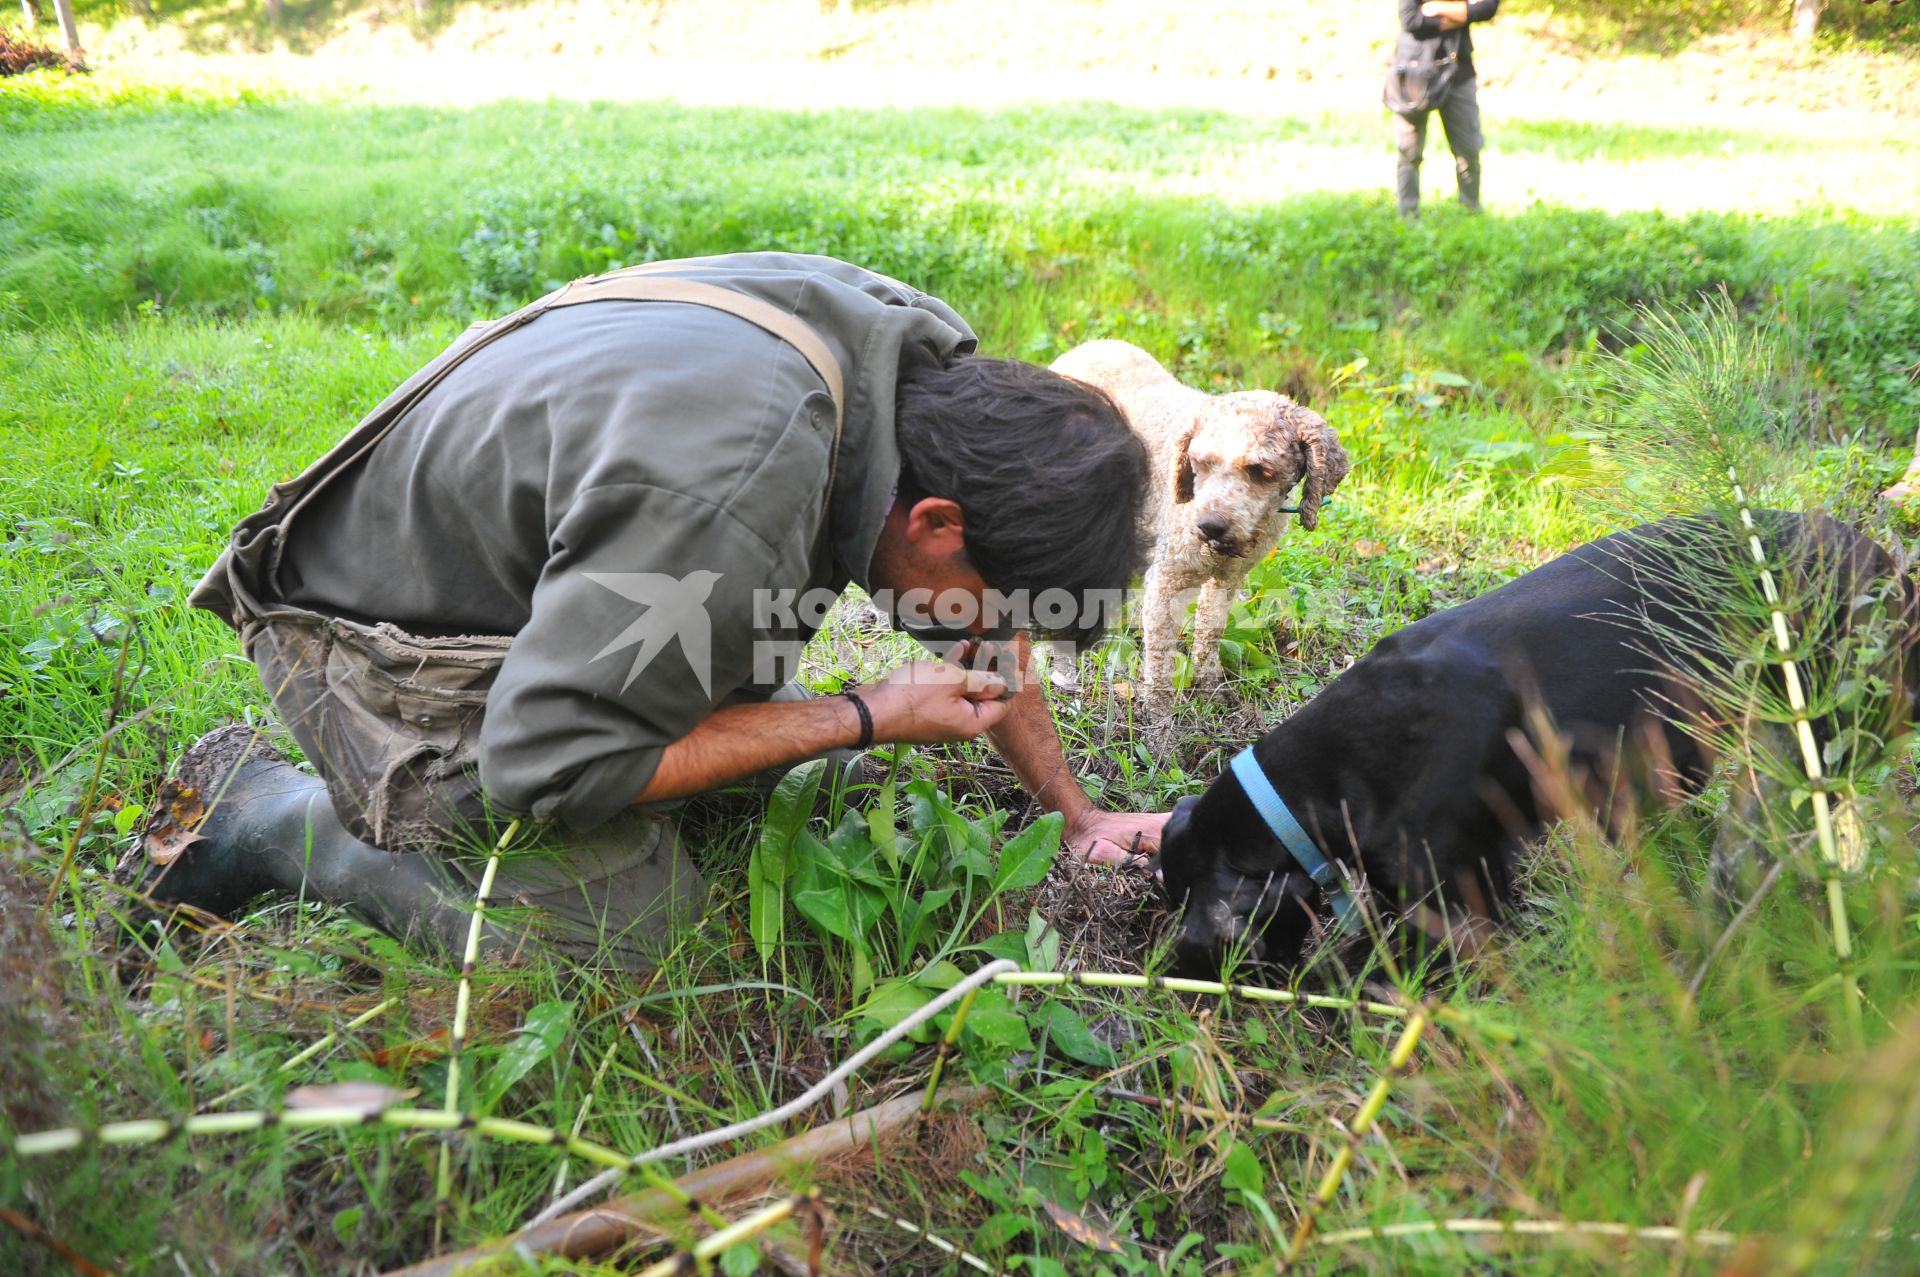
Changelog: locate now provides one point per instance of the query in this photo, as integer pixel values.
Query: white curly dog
(1222, 468)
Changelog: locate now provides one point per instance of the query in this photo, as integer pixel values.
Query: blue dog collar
(1266, 800)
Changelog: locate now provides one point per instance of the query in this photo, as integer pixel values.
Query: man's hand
(933, 702)
(1452, 13)
(1111, 837)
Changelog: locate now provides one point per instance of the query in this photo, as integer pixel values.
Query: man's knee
(616, 893)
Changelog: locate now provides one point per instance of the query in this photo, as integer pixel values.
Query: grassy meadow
(201, 288)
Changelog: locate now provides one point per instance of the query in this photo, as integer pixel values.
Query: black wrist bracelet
(866, 721)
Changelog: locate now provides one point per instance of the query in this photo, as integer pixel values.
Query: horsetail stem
(1534, 1228)
(933, 1239)
(1447, 1015)
(1397, 1062)
(1810, 761)
(295, 1060)
(155, 1130)
(708, 1248)
(457, 1039)
(945, 1048)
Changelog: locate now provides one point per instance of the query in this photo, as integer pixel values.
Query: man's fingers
(1104, 852)
(988, 713)
(985, 685)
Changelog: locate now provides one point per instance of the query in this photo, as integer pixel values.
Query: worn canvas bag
(1421, 73)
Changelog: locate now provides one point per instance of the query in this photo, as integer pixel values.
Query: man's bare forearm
(735, 742)
(1027, 739)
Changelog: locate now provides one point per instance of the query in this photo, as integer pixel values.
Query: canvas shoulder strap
(257, 542)
(635, 284)
(639, 286)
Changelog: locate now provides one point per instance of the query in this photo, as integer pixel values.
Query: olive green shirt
(599, 483)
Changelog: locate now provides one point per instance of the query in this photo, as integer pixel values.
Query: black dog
(1410, 766)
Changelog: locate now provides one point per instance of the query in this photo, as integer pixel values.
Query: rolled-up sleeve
(641, 623)
(1415, 23)
(1481, 10)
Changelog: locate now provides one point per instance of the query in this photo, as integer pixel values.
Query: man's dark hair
(1046, 470)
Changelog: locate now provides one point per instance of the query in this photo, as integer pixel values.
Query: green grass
(199, 292)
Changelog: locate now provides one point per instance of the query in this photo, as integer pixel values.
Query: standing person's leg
(1410, 140)
(1460, 116)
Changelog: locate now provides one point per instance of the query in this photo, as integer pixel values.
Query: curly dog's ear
(1326, 462)
(1183, 466)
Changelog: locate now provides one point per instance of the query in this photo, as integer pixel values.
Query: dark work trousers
(1460, 116)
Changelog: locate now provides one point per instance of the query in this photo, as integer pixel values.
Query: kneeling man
(553, 577)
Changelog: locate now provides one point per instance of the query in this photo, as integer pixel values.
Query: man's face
(921, 563)
(921, 570)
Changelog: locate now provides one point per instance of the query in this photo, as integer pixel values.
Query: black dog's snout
(1177, 821)
(1171, 864)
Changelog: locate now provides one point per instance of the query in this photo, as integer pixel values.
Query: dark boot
(238, 821)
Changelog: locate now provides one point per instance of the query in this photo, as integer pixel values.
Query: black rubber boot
(238, 821)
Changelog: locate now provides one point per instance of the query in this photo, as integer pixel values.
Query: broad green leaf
(1453, 379)
(953, 827)
(792, 803)
(924, 800)
(123, 822)
(1028, 855)
(1000, 1229)
(1242, 1171)
(539, 1036)
(828, 898)
(962, 857)
(1006, 944)
(893, 1002)
(883, 815)
(851, 843)
(1073, 1039)
(1042, 943)
(916, 912)
(939, 975)
(826, 908)
(766, 900)
(994, 1024)
(862, 973)
(772, 860)
(346, 1224)
(982, 832)
(867, 904)
(811, 865)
